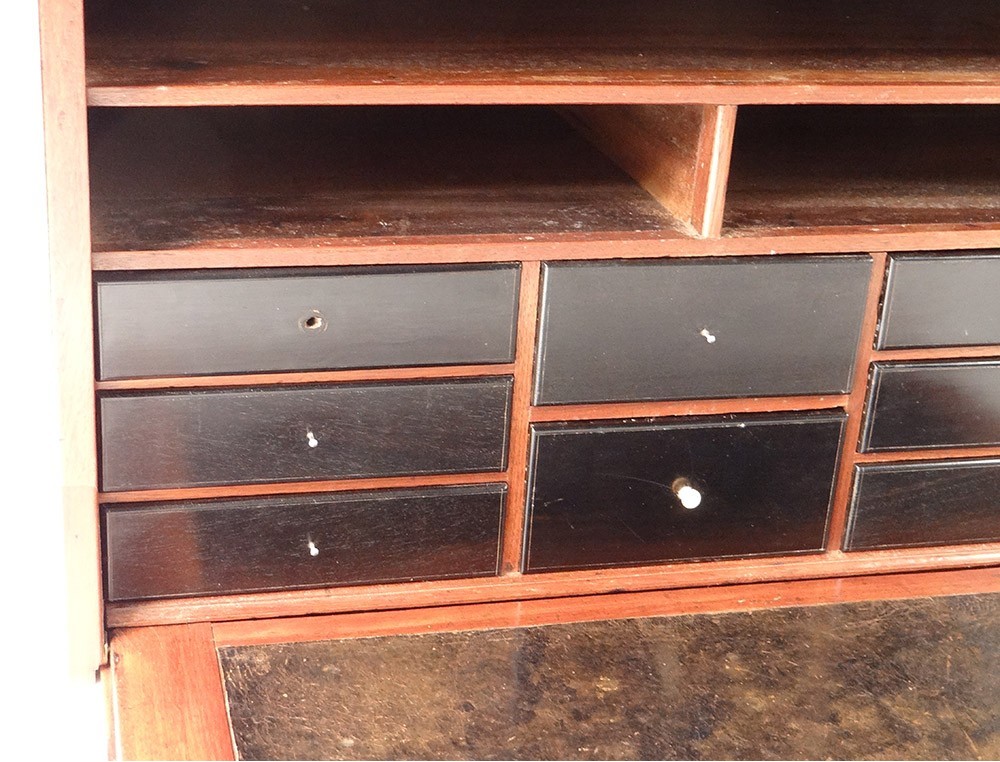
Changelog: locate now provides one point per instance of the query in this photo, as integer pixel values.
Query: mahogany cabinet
(538, 299)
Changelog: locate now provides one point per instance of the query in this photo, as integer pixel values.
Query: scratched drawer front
(237, 546)
(699, 329)
(611, 494)
(915, 504)
(257, 321)
(929, 405)
(244, 436)
(940, 300)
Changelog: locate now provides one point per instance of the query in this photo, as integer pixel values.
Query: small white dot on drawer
(709, 336)
(311, 439)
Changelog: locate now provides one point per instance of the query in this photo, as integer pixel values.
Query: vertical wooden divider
(856, 405)
(517, 460)
(678, 153)
(64, 109)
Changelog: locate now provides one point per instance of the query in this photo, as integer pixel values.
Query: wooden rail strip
(533, 613)
(942, 453)
(540, 247)
(300, 488)
(612, 410)
(712, 175)
(548, 585)
(308, 377)
(520, 432)
(936, 353)
(856, 405)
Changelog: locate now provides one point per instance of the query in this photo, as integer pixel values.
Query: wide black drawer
(247, 321)
(914, 504)
(618, 331)
(937, 300)
(933, 404)
(231, 546)
(607, 494)
(242, 436)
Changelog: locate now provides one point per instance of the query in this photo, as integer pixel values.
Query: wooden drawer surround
(371, 269)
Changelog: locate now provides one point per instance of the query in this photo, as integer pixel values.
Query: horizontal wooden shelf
(516, 587)
(612, 410)
(175, 179)
(890, 167)
(198, 52)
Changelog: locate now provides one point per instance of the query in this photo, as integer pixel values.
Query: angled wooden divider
(679, 154)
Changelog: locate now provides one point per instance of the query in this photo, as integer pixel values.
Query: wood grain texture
(915, 406)
(623, 605)
(615, 332)
(888, 165)
(169, 702)
(603, 495)
(905, 456)
(66, 174)
(941, 299)
(670, 151)
(720, 51)
(856, 404)
(255, 321)
(191, 178)
(920, 504)
(312, 377)
(318, 251)
(520, 430)
(712, 177)
(161, 550)
(609, 411)
(553, 585)
(154, 440)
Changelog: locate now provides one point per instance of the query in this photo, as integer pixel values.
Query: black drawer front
(610, 494)
(244, 436)
(699, 329)
(234, 546)
(257, 321)
(938, 300)
(914, 504)
(913, 406)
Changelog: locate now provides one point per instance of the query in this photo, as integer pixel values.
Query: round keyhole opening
(313, 323)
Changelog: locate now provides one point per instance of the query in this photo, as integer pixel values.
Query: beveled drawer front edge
(369, 501)
(921, 468)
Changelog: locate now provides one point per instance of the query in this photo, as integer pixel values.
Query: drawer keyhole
(314, 322)
(687, 493)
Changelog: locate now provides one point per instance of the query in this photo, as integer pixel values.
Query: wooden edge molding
(540, 247)
(725, 598)
(167, 694)
(611, 410)
(311, 377)
(914, 456)
(856, 405)
(712, 171)
(548, 585)
(935, 353)
(300, 488)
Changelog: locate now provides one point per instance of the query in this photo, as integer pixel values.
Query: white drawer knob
(311, 439)
(689, 496)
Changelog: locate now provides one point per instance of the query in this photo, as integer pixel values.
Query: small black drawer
(941, 300)
(610, 494)
(243, 436)
(930, 503)
(619, 331)
(236, 546)
(252, 321)
(913, 406)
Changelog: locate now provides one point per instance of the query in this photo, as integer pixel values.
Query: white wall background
(46, 712)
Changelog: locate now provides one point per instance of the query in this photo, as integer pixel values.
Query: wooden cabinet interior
(336, 138)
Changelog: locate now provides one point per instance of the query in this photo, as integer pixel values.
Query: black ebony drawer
(243, 436)
(251, 321)
(613, 494)
(914, 504)
(928, 405)
(231, 546)
(937, 300)
(617, 331)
